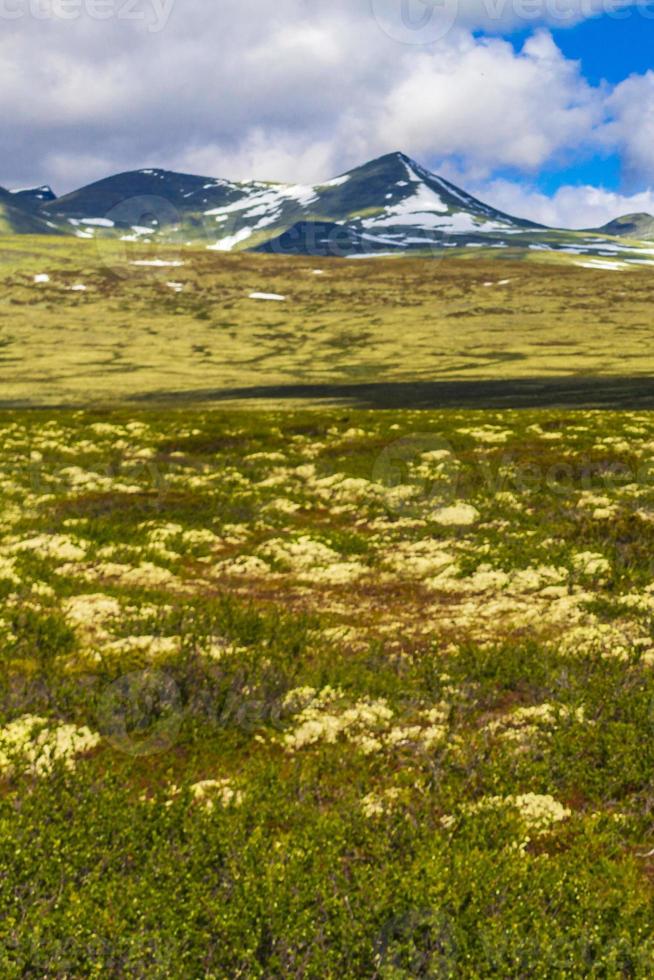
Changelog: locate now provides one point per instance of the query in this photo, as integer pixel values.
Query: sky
(543, 108)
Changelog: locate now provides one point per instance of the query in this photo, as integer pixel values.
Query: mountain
(156, 197)
(639, 226)
(18, 215)
(32, 198)
(15, 221)
(391, 205)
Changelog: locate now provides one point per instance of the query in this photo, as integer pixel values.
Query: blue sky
(550, 122)
(609, 50)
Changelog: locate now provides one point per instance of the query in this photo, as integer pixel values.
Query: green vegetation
(130, 334)
(323, 693)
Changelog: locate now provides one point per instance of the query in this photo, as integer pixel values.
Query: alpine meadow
(326, 491)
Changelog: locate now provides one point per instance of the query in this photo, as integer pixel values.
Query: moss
(399, 321)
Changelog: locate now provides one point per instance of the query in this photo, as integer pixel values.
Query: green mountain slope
(639, 226)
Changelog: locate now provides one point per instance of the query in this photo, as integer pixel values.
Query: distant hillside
(388, 206)
(639, 226)
(32, 198)
(19, 215)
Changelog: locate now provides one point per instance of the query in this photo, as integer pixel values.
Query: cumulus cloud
(570, 207)
(631, 105)
(230, 76)
(301, 91)
(482, 102)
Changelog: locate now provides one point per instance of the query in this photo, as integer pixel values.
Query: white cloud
(569, 207)
(301, 91)
(632, 130)
(482, 102)
(257, 157)
(421, 21)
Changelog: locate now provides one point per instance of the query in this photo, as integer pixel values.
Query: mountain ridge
(389, 205)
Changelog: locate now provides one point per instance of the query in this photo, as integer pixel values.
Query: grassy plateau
(315, 692)
(187, 327)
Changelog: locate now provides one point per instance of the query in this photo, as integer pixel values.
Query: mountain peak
(33, 198)
(395, 155)
(389, 164)
(42, 189)
(389, 205)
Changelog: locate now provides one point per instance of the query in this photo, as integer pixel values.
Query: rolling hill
(21, 216)
(639, 226)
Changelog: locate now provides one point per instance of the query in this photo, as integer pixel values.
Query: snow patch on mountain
(231, 241)
(98, 222)
(43, 193)
(423, 202)
(337, 181)
(389, 205)
(268, 202)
